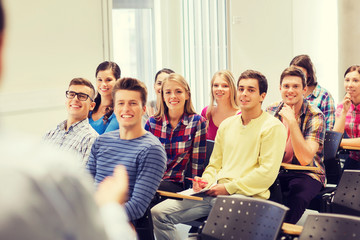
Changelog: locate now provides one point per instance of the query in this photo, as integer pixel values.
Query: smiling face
(105, 82)
(128, 108)
(175, 96)
(352, 84)
(79, 110)
(249, 95)
(158, 83)
(220, 89)
(292, 90)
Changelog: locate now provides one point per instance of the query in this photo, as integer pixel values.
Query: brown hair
(131, 84)
(116, 71)
(352, 69)
(163, 109)
(262, 81)
(304, 61)
(83, 82)
(293, 71)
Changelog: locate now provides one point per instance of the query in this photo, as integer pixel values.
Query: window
(133, 45)
(204, 45)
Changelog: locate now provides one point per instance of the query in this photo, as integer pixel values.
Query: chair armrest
(291, 229)
(289, 166)
(178, 196)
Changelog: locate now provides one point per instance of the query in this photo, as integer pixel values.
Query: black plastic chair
(239, 217)
(333, 169)
(331, 161)
(188, 173)
(144, 226)
(330, 226)
(346, 199)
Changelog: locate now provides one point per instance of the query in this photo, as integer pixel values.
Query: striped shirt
(323, 100)
(79, 138)
(312, 125)
(352, 125)
(185, 144)
(144, 159)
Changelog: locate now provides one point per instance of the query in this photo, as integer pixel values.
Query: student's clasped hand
(288, 113)
(218, 189)
(346, 103)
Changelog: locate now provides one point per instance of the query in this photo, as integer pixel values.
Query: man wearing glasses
(75, 133)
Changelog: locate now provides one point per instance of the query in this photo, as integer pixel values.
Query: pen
(196, 180)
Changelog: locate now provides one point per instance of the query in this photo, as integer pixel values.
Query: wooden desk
(177, 195)
(350, 148)
(291, 229)
(298, 167)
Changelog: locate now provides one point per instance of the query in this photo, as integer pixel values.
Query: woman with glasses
(223, 103)
(348, 116)
(181, 131)
(102, 118)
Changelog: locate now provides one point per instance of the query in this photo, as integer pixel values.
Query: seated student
(315, 94)
(180, 130)
(347, 115)
(138, 150)
(305, 125)
(75, 133)
(246, 159)
(223, 93)
(159, 78)
(153, 105)
(102, 118)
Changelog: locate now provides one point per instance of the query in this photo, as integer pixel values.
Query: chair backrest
(188, 171)
(347, 195)
(240, 217)
(209, 148)
(331, 161)
(330, 226)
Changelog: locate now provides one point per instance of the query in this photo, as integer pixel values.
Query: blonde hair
(188, 107)
(229, 78)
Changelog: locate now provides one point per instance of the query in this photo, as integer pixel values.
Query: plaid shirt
(184, 144)
(79, 138)
(312, 125)
(323, 100)
(352, 125)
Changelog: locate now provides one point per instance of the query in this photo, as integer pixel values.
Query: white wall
(266, 35)
(47, 44)
(315, 26)
(261, 39)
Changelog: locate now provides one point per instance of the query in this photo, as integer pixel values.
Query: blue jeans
(170, 212)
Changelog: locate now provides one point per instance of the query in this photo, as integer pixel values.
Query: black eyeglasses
(80, 96)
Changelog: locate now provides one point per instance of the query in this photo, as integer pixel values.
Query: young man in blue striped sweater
(138, 150)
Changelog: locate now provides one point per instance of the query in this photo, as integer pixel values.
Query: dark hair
(293, 71)
(131, 84)
(352, 69)
(115, 69)
(2, 17)
(262, 81)
(109, 65)
(304, 61)
(83, 82)
(164, 70)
